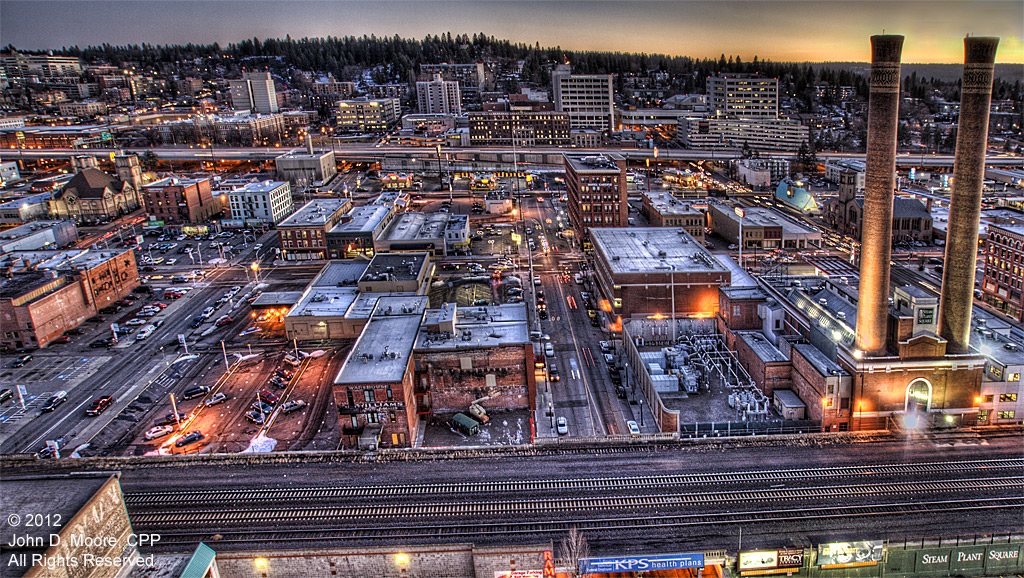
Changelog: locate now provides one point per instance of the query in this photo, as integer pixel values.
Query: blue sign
(641, 563)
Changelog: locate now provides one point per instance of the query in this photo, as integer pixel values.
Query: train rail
(595, 527)
(140, 500)
(540, 507)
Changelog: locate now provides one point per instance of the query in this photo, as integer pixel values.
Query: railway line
(607, 508)
(140, 500)
(597, 527)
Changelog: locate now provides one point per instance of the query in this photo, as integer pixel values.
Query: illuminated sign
(740, 212)
(641, 563)
(770, 559)
(850, 554)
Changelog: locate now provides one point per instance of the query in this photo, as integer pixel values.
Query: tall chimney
(879, 183)
(957, 295)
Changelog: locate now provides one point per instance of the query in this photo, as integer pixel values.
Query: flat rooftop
(363, 220)
(765, 217)
(60, 498)
(332, 292)
(381, 354)
(71, 259)
(313, 213)
(593, 163)
(819, 360)
(760, 345)
(25, 281)
(277, 299)
(174, 182)
(477, 327)
(396, 266)
(413, 226)
(338, 273)
(302, 154)
(993, 338)
(28, 228)
(259, 187)
(667, 204)
(653, 250)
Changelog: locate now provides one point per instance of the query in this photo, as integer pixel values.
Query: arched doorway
(919, 396)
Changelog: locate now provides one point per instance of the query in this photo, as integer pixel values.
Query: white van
(578, 278)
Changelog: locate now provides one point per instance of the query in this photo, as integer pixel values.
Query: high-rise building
(439, 96)
(596, 192)
(525, 129)
(744, 95)
(255, 92)
(469, 76)
(588, 98)
(365, 115)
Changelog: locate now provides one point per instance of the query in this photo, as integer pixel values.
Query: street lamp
(256, 270)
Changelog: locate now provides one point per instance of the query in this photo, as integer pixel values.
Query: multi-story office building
(268, 202)
(363, 115)
(525, 129)
(254, 92)
(469, 76)
(664, 210)
(758, 134)
(438, 96)
(587, 98)
(762, 172)
(744, 96)
(22, 65)
(342, 89)
(840, 171)
(177, 201)
(303, 235)
(82, 109)
(596, 191)
(249, 130)
(1003, 284)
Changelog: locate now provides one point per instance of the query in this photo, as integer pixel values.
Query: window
(351, 400)
(1006, 415)
(388, 390)
(1014, 377)
(1008, 397)
(986, 399)
(736, 310)
(369, 396)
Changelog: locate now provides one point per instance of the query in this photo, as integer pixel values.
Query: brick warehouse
(465, 355)
(58, 290)
(650, 271)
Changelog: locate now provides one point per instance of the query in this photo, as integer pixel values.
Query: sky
(778, 30)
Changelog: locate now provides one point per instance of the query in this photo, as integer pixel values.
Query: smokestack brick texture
(957, 293)
(879, 184)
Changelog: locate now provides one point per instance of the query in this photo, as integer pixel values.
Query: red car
(63, 339)
(267, 396)
(160, 305)
(99, 406)
(224, 320)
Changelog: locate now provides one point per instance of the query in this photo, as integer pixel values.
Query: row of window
(983, 415)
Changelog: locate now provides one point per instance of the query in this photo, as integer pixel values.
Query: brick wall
(809, 385)
(441, 561)
(453, 388)
(768, 376)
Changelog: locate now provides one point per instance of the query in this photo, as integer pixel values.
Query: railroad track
(140, 500)
(595, 527)
(548, 506)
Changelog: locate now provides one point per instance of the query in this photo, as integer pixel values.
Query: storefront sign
(850, 554)
(768, 559)
(641, 563)
(380, 405)
(518, 574)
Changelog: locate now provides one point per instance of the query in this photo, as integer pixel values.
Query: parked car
(197, 321)
(553, 372)
(562, 426)
(74, 331)
(55, 400)
(62, 339)
(284, 373)
(197, 391)
(215, 399)
(6, 395)
(255, 417)
(100, 343)
(99, 406)
(169, 419)
(135, 322)
(294, 405)
(605, 346)
(223, 320)
(267, 396)
(264, 407)
(189, 438)
(634, 429)
(549, 350)
(21, 361)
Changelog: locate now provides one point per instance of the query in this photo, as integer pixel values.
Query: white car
(135, 321)
(563, 426)
(158, 432)
(633, 428)
(549, 350)
(171, 262)
(215, 399)
(145, 332)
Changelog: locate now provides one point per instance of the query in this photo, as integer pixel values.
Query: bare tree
(574, 548)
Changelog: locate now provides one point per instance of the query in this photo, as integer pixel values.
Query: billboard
(770, 559)
(641, 563)
(850, 554)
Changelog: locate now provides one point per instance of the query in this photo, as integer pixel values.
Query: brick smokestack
(879, 183)
(957, 296)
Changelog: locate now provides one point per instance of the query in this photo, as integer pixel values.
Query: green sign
(967, 558)
(1004, 556)
(933, 560)
(105, 135)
